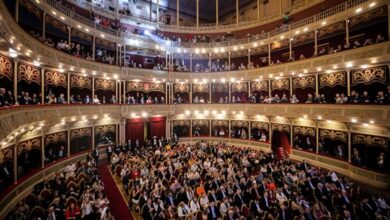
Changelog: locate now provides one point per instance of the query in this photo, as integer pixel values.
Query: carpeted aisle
(118, 205)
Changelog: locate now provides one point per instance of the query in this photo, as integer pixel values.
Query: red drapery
(157, 127)
(135, 129)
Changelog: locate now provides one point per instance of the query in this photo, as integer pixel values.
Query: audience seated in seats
(75, 192)
(216, 181)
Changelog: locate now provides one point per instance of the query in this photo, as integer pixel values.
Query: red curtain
(135, 129)
(157, 127)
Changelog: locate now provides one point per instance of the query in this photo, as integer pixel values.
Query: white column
(249, 58)
(315, 42)
(290, 49)
(158, 11)
(258, 10)
(346, 32)
(237, 11)
(94, 47)
(197, 13)
(44, 25)
(177, 12)
(217, 12)
(269, 54)
(190, 62)
(229, 60)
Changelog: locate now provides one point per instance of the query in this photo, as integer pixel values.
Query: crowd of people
(216, 181)
(143, 99)
(75, 192)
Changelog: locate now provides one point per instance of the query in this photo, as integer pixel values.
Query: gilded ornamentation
(29, 145)
(6, 154)
(369, 140)
(259, 86)
(6, 68)
(81, 35)
(181, 88)
(368, 16)
(240, 87)
(181, 123)
(303, 37)
(31, 8)
(304, 82)
(200, 87)
(105, 84)
(215, 123)
(29, 73)
(81, 132)
(340, 26)
(104, 129)
(56, 137)
(369, 75)
(240, 124)
(305, 131)
(279, 84)
(220, 87)
(332, 79)
(56, 23)
(259, 125)
(280, 127)
(200, 122)
(80, 82)
(145, 87)
(334, 135)
(55, 78)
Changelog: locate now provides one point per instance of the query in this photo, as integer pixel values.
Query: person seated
(284, 98)
(3, 98)
(354, 97)
(201, 100)
(36, 100)
(196, 100)
(323, 99)
(367, 42)
(220, 100)
(87, 100)
(380, 98)
(344, 98)
(302, 57)
(309, 99)
(356, 44)
(149, 100)
(263, 137)
(61, 99)
(113, 99)
(233, 99)
(317, 99)
(238, 100)
(95, 100)
(338, 99)
(365, 97)
(379, 39)
(294, 99)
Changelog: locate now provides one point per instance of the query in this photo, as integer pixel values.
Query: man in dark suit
(170, 200)
(147, 211)
(95, 155)
(213, 212)
(256, 208)
(237, 198)
(221, 193)
(212, 196)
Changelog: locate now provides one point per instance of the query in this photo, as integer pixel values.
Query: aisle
(118, 205)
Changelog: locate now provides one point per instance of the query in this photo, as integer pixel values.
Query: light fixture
(187, 112)
(365, 124)
(36, 63)
(54, 13)
(372, 4)
(12, 53)
(102, 35)
(323, 23)
(63, 18)
(319, 117)
(144, 114)
(353, 120)
(359, 10)
(372, 121)
(364, 66)
(349, 65)
(255, 44)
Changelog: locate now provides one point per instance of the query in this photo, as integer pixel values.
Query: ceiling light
(36, 63)
(319, 69)
(297, 32)
(349, 65)
(102, 35)
(372, 121)
(234, 48)
(306, 29)
(323, 23)
(365, 124)
(187, 112)
(353, 120)
(12, 53)
(255, 44)
(364, 66)
(63, 18)
(359, 10)
(372, 4)
(54, 13)
(144, 114)
(79, 26)
(319, 117)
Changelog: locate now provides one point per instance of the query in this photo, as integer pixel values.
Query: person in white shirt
(183, 210)
(194, 206)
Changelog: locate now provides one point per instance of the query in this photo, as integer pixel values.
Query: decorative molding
(6, 68)
(55, 78)
(104, 129)
(220, 87)
(369, 140)
(80, 82)
(334, 135)
(260, 125)
(369, 76)
(304, 82)
(181, 88)
(81, 132)
(305, 131)
(29, 73)
(28, 145)
(55, 137)
(200, 88)
(224, 123)
(366, 17)
(279, 84)
(339, 26)
(200, 122)
(6, 154)
(281, 127)
(332, 79)
(181, 123)
(237, 123)
(105, 84)
(240, 87)
(259, 86)
(145, 87)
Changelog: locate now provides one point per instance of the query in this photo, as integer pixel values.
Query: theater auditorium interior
(194, 109)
